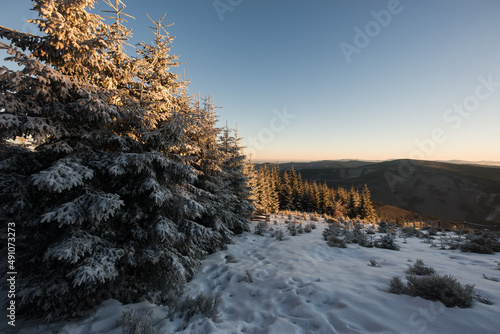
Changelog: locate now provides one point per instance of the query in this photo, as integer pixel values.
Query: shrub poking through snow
(424, 282)
(397, 286)
(292, 228)
(358, 236)
(300, 229)
(420, 269)
(387, 242)
(410, 231)
(444, 288)
(308, 228)
(333, 229)
(374, 263)
(432, 231)
(278, 235)
(202, 304)
(490, 242)
(384, 227)
(334, 241)
(475, 247)
(491, 278)
(134, 323)
(261, 228)
(230, 259)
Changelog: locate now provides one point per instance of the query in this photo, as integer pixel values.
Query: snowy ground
(300, 285)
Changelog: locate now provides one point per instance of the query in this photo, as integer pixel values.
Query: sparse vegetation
(387, 242)
(444, 288)
(424, 282)
(411, 232)
(419, 269)
(261, 228)
(491, 278)
(292, 228)
(230, 259)
(334, 241)
(475, 247)
(397, 286)
(134, 323)
(278, 235)
(207, 307)
(300, 229)
(309, 228)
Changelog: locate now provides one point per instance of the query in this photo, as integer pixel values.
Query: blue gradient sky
(267, 57)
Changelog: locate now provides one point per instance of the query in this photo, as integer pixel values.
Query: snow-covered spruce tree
(236, 183)
(105, 205)
(219, 165)
(252, 182)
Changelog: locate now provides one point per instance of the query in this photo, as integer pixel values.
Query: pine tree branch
(20, 39)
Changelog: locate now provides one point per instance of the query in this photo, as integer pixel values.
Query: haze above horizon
(329, 80)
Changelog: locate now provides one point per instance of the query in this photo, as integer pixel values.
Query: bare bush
(202, 304)
(420, 269)
(334, 241)
(278, 235)
(444, 288)
(397, 286)
(261, 228)
(134, 323)
(474, 247)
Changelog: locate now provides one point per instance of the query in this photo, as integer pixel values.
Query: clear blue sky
(420, 76)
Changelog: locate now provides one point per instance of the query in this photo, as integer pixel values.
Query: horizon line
(455, 161)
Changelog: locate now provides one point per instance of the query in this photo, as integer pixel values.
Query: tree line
(273, 190)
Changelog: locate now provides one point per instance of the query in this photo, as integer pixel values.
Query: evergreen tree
(286, 198)
(252, 183)
(267, 198)
(342, 196)
(296, 187)
(338, 210)
(237, 201)
(307, 202)
(353, 203)
(326, 198)
(278, 185)
(128, 185)
(366, 210)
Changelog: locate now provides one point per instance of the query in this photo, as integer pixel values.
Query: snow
(300, 285)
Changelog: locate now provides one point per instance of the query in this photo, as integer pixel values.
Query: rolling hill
(469, 192)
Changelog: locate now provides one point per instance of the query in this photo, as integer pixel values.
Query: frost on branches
(129, 183)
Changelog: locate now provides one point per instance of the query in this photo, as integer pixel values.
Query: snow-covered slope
(300, 285)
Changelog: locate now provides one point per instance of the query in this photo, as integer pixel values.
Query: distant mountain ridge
(451, 191)
(358, 163)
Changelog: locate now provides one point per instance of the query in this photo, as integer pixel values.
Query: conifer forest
(126, 182)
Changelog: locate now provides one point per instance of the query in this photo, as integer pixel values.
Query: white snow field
(300, 285)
